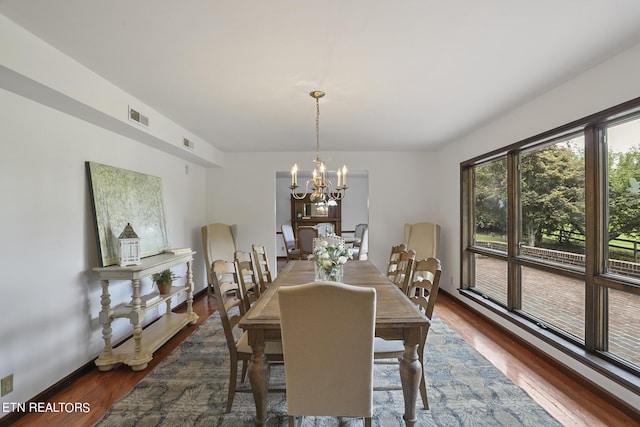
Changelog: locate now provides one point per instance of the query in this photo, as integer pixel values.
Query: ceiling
(398, 75)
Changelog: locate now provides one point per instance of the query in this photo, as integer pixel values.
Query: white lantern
(129, 247)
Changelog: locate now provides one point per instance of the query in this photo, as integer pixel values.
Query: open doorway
(354, 206)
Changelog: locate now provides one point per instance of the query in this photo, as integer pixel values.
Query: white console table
(138, 350)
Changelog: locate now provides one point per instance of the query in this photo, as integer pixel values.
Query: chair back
(327, 338)
(331, 240)
(288, 236)
(247, 278)
(218, 242)
(393, 259)
(290, 242)
(359, 230)
(404, 269)
(425, 284)
(263, 271)
(363, 249)
(305, 240)
(324, 228)
(225, 288)
(424, 238)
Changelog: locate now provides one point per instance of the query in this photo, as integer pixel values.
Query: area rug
(189, 388)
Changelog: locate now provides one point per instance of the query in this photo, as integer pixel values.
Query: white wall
(235, 196)
(604, 86)
(50, 297)
(49, 294)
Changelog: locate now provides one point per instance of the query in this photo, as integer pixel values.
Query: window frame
(593, 350)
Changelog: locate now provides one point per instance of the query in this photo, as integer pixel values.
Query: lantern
(129, 247)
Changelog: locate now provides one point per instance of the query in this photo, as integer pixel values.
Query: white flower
(342, 259)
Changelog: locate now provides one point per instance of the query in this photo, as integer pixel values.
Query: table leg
(259, 376)
(410, 374)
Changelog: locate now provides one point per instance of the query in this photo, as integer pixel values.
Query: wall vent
(187, 143)
(136, 116)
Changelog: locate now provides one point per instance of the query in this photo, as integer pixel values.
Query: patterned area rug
(189, 388)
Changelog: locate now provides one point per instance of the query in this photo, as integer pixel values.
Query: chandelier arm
(306, 191)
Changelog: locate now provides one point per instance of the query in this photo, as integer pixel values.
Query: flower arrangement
(329, 260)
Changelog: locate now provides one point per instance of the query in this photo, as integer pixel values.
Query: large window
(551, 233)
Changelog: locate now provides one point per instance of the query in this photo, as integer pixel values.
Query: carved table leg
(140, 357)
(410, 374)
(259, 376)
(104, 361)
(192, 315)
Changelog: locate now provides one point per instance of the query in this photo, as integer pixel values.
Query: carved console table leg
(192, 315)
(104, 361)
(140, 358)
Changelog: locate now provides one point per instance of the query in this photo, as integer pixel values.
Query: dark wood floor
(572, 401)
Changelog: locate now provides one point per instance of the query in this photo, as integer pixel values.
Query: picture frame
(120, 196)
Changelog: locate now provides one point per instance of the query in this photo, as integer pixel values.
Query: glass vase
(334, 274)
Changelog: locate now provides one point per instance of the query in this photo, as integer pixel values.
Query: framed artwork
(120, 196)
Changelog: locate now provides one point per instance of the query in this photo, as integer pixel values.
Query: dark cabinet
(306, 213)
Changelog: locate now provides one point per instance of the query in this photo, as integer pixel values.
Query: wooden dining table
(396, 318)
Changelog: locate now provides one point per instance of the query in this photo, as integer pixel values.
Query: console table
(138, 350)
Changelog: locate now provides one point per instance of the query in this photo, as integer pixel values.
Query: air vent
(187, 143)
(136, 116)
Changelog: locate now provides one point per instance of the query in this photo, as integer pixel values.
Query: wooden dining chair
(392, 265)
(423, 289)
(328, 366)
(247, 278)
(404, 268)
(261, 263)
(230, 307)
(305, 240)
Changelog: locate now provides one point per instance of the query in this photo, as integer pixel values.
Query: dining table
(397, 318)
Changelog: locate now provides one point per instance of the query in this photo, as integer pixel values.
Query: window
(551, 233)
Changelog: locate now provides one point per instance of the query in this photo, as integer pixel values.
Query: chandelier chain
(318, 129)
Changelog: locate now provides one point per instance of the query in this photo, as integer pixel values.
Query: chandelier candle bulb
(294, 175)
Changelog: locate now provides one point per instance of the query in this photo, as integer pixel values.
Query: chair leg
(233, 378)
(367, 422)
(245, 365)
(295, 421)
(423, 392)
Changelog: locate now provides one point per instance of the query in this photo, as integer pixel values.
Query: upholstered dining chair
(361, 252)
(424, 238)
(218, 242)
(247, 278)
(324, 228)
(423, 289)
(229, 307)
(328, 366)
(305, 240)
(263, 271)
(359, 230)
(393, 260)
(290, 245)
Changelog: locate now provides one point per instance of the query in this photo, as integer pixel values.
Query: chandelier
(319, 187)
